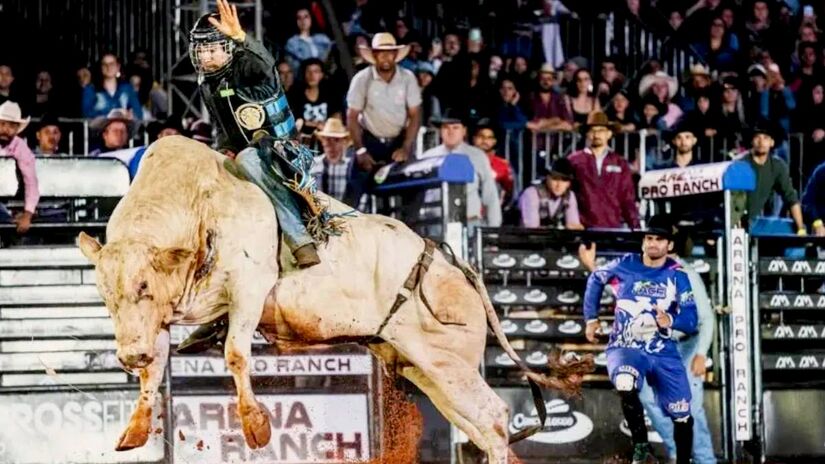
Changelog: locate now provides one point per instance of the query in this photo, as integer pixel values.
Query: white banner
(677, 182)
(276, 366)
(305, 429)
(739, 286)
(72, 427)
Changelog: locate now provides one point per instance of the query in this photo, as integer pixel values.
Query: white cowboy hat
(659, 76)
(10, 112)
(380, 42)
(334, 129)
(117, 114)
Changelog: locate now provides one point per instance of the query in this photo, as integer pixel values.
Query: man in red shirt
(605, 190)
(485, 140)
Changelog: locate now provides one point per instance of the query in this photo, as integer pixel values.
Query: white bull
(190, 243)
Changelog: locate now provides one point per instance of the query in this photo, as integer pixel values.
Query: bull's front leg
(140, 424)
(243, 319)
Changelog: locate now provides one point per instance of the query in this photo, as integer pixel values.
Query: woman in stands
(108, 91)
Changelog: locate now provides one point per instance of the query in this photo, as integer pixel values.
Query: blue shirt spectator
(107, 92)
(304, 44)
(813, 201)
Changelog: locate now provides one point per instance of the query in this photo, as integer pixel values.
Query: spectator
(698, 82)
(758, 30)
(653, 112)
(475, 42)
(383, 115)
(716, 49)
(728, 15)
(547, 108)
(675, 19)
(108, 92)
(809, 72)
(452, 80)
(611, 81)
(664, 88)
(732, 119)
(6, 81)
(413, 58)
(152, 97)
(430, 106)
(619, 110)
(705, 119)
(771, 175)
(479, 91)
(813, 201)
(569, 72)
(519, 72)
(44, 99)
(494, 68)
(580, 99)
(510, 115)
(605, 192)
(485, 140)
(286, 75)
(548, 30)
(810, 120)
(331, 167)
(683, 138)
(202, 132)
(306, 44)
(115, 131)
(483, 203)
(699, 16)
(775, 101)
(551, 202)
(48, 136)
(165, 128)
(11, 144)
(312, 99)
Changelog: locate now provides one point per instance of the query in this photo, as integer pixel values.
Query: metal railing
(78, 136)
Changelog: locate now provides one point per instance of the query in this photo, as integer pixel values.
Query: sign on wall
(72, 427)
(740, 334)
(305, 429)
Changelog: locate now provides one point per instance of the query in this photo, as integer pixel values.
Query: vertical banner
(739, 285)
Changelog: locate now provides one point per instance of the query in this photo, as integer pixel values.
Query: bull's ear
(89, 246)
(169, 259)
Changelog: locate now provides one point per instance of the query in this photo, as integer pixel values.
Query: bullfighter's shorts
(665, 374)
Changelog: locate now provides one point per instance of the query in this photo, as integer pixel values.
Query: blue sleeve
(134, 104)
(811, 206)
(765, 104)
(88, 101)
(595, 286)
(790, 101)
(684, 313)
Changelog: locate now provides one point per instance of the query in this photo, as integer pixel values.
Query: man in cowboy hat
(605, 190)
(11, 144)
(549, 113)
(483, 204)
(115, 130)
(771, 174)
(331, 168)
(384, 112)
(551, 201)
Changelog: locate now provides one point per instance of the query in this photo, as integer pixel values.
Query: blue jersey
(638, 289)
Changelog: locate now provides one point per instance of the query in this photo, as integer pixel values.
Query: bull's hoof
(133, 437)
(256, 428)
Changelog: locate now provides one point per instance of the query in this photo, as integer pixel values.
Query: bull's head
(141, 285)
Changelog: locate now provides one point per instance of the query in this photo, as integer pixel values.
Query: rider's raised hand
(229, 25)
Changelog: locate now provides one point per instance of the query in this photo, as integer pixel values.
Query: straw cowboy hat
(100, 123)
(659, 76)
(547, 68)
(383, 41)
(10, 112)
(333, 129)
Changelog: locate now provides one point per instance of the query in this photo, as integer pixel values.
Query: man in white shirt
(483, 206)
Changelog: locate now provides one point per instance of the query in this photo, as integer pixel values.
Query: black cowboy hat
(561, 169)
(682, 125)
(767, 127)
(452, 116)
(662, 225)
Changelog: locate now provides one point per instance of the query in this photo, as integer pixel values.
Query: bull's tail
(565, 373)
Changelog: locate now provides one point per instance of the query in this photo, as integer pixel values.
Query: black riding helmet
(203, 35)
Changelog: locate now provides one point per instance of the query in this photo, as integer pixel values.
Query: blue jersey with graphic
(638, 289)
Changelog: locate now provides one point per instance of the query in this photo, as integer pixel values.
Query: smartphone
(808, 11)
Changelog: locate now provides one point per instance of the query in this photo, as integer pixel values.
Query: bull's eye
(143, 286)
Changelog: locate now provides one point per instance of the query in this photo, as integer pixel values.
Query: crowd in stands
(758, 63)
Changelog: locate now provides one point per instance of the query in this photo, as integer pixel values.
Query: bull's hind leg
(140, 424)
(244, 316)
(460, 393)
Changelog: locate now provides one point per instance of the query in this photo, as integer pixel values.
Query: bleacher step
(21, 277)
(45, 346)
(20, 329)
(82, 378)
(42, 257)
(54, 312)
(55, 294)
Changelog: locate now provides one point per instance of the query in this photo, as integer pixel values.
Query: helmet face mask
(209, 50)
